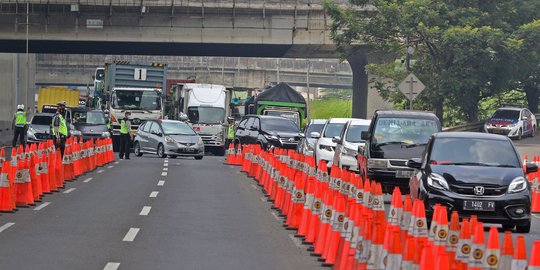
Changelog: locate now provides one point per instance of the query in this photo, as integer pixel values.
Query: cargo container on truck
(54, 94)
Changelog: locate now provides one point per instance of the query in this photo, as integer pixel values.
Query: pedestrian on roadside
(19, 126)
(59, 129)
(125, 136)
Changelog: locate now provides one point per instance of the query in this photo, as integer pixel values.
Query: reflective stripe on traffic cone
(35, 178)
(464, 245)
(453, 237)
(478, 248)
(520, 255)
(493, 252)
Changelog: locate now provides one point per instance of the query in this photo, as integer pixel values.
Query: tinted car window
(354, 133)
(155, 128)
(242, 123)
(406, 130)
(314, 128)
(146, 126)
(506, 114)
(249, 122)
(465, 150)
(283, 125)
(42, 120)
(333, 129)
(177, 128)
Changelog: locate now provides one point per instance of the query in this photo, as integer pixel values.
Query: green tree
(460, 47)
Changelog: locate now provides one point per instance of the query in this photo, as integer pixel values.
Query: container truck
(130, 87)
(48, 97)
(206, 107)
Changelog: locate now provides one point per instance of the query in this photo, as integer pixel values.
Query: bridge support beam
(358, 61)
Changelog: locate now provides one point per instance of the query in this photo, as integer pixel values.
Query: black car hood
(397, 151)
(91, 129)
(466, 175)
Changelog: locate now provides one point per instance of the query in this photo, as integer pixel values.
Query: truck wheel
(161, 151)
(137, 149)
(219, 152)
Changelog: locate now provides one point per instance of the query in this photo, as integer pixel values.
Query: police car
(513, 122)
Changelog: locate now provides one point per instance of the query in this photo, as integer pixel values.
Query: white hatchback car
(324, 147)
(514, 122)
(347, 144)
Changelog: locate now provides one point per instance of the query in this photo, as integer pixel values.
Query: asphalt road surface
(152, 213)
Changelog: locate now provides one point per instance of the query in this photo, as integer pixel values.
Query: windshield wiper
(387, 143)
(414, 145)
(506, 166)
(466, 163)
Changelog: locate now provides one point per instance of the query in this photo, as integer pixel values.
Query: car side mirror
(336, 139)
(364, 135)
(524, 118)
(531, 167)
(315, 135)
(183, 117)
(415, 163)
(301, 135)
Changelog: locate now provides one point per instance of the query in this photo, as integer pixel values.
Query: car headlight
(518, 184)
(200, 142)
(437, 181)
(326, 147)
(377, 163)
(169, 139)
(512, 125)
(350, 152)
(105, 134)
(271, 137)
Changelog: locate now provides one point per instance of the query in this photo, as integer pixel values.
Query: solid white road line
(41, 206)
(100, 171)
(254, 186)
(537, 216)
(297, 242)
(165, 161)
(111, 266)
(275, 215)
(88, 180)
(69, 190)
(5, 226)
(161, 183)
(110, 167)
(164, 174)
(154, 194)
(130, 235)
(145, 211)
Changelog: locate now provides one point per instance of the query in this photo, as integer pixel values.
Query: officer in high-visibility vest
(19, 126)
(59, 128)
(125, 136)
(230, 132)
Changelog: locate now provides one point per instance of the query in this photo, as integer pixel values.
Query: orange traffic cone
(464, 245)
(520, 255)
(375, 260)
(507, 251)
(35, 178)
(230, 155)
(60, 175)
(409, 253)
(441, 231)
(51, 166)
(394, 258)
(453, 237)
(442, 261)
(427, 258)
(6, 192)
(534, 263)
(478, 248)
(44, 173)
(493, 252)
(405, 218)
(535, 207)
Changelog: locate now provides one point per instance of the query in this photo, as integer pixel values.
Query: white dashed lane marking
(154, 194)
(5, 226)
(254, 186)
(263, 199)
(161, 183)
(111, 266)
(41, 206)
(165, 169)
(100, 171)
(164, 174)
(69, 190)
(145, 211)
(275, 215)
(88, 180)
(131, 234)
(110, 167)
(166, 164)
(297, 242)
(116, 162)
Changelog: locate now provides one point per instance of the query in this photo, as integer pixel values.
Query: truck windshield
(293, 116)
(206, 115)
(89, 117)
(404, 130)
(136, 100)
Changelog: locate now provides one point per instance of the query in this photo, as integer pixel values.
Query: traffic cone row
(40, 169)
(343, 217)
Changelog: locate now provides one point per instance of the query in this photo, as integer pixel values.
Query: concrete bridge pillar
(358, 61)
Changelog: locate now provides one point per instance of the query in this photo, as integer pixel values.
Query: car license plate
(404, 174)
(189, 150)
(479, 206)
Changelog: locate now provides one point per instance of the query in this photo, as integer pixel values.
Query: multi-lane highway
(152, 213)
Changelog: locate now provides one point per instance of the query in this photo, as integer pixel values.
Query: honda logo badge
(479, 190)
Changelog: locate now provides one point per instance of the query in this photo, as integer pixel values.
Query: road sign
(411, 86)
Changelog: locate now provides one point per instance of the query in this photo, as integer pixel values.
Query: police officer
(230, 132)
(125, 136)
(19, 126)
(59, 129)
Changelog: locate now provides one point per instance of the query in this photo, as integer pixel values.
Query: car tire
(161, 151)
(520, 134)
(137, 149)
(199, 157)
(170, 156)
(526, 228)
(533, 132)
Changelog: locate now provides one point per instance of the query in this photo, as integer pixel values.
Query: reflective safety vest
(62, 128)
(123, 127)
(20, 119)
(230, 132)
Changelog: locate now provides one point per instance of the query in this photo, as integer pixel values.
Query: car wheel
(520, 134)
(533, 132)
(508, 227)
(524, 228)
(172, 156)
(137, 149)
(161, 151)
(199, 157)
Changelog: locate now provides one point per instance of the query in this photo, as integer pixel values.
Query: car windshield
(177, 128)
(206, 115)
(89, 117)
(333, 129)
(136, 100)
(404, 130)
(293, 116)
(506, 114)
(314, 128)
(480, 152)
(42, 120)
(354, 133)
(279, 125)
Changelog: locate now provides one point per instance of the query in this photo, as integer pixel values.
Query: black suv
(393, 138)
(267, 131)
(474, 174)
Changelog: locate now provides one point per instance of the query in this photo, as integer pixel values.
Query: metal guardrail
(477, 126)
